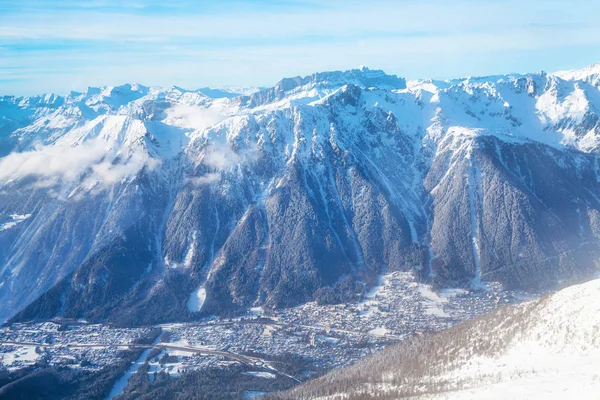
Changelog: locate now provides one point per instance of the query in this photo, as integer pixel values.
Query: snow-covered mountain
(140, 204)
(548, 348)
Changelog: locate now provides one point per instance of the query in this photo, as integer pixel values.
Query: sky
(58, 46)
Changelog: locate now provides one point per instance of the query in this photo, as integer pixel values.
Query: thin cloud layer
(219, 157)
(57, 46)
(194, 117)
(205, 179)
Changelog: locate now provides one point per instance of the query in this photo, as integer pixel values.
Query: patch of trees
(62, 382)
(149, 337)
(289, 363)
(346, 290)
(210, 384)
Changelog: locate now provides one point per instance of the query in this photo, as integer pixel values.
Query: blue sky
(58, 46)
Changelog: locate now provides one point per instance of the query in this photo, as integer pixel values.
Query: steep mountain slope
(549, 348)
(140, 204)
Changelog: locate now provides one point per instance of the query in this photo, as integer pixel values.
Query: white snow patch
(256, 311)
(261, 374)
(253, 394)
(121, 384)
(379, 331)
(196, 300)
(23, 355)
(191, 250)
(14, 220)
(433, 302)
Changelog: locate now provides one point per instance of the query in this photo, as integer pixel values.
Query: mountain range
(138, 205)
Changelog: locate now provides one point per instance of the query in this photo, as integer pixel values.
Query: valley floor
(289, 346)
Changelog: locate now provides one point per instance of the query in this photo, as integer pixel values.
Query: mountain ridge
(262, 200)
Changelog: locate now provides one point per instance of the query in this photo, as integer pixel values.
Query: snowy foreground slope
(139, 205)
(546, 349)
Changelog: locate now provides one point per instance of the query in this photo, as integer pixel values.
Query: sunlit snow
(196, 300)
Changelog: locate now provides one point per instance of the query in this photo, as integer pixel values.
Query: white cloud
(258, 46)
(108, 173)
(205, 179)
(87, 161)
(221, 157)
(195, 117)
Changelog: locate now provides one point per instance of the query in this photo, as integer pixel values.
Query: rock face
(127, 203)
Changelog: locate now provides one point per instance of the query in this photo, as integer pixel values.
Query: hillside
(548, 348)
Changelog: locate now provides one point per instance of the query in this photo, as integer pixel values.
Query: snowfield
(557, 356)
(196, 299)
(13, 220)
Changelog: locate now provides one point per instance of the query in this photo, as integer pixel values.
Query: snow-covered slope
(140, 199)
(549, 349)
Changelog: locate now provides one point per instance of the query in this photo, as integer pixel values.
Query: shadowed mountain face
(139, 205)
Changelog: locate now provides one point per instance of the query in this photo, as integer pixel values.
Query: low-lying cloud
(221, 157)
(205, 179)
(89, 162)
(218, 157)
(195, 117)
